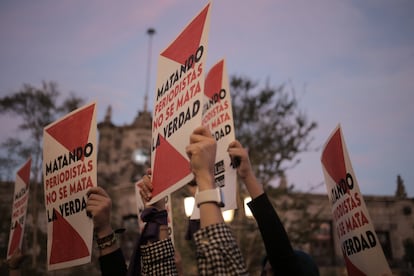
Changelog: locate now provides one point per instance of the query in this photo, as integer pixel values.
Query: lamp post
(247, 210)
(228, 215)
(150, 32)
(188, 205)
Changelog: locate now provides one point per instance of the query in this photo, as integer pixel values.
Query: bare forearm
(254, 188)
(210, 212)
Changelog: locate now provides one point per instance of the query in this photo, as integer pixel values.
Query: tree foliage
(35, 108)
(268, 121)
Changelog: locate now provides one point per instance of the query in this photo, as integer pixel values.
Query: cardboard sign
(360, 246)
(19, 208)
(178, 105)
(69, 170)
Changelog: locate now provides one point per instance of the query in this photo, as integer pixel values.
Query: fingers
(201, 141)
(98, 200)
(236, 153)
(97, 191)
(235, 149)
(235, 144)
(145, 187)
(202, 130)
(199, 134)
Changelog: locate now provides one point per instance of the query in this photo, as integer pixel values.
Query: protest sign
(177, 105)
(359, 243)
(69, 170)
(19, 208)
(218, 117)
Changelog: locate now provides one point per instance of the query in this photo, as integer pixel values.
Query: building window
(407, 210)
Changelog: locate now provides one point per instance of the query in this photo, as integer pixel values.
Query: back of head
(307, 265)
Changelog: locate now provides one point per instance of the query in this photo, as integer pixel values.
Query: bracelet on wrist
(11, 267)
(106, 241)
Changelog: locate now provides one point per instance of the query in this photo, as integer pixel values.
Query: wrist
(156, 225)
(159, 205)
(106, 241)
(103, 231)
(13, 267)
(209, 196)
(253, 186)
(205, 181)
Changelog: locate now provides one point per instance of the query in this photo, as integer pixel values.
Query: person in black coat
(280, 254)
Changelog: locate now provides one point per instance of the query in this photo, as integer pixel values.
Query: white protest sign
(69, 170)
(178, 105)
(19, 208)
(360, 246)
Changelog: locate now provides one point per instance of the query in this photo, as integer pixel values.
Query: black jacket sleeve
(278, 248)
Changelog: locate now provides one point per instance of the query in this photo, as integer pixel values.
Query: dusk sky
(350, 62)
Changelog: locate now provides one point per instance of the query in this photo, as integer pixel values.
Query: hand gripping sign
(69, 170)
(178, 105)
(19, 208)
(360, 246)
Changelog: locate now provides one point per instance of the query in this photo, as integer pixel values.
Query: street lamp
(247, 210)
(188, 205)
(228, 215)
(150, 32)
(139, 157)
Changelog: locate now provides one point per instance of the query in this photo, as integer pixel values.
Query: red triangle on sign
(67, 244)
(188, 41)
(169, 167)
(17, 234)
(352, 269)
(333, 157)
(24, 172)
(73, 131)
(213, 82)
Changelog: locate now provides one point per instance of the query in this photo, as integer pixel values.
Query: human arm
(279, 250)
(276, 241)
(202, 153)
(244, 170)
(156, 248)
(14, 262)
(217, 250)
(99, 205)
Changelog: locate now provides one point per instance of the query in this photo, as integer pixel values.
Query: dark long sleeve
(278, 248)
(113, 264)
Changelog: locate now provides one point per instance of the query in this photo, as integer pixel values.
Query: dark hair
(306, 264)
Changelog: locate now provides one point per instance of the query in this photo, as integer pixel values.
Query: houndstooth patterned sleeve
(217, 252)
(158, 258)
